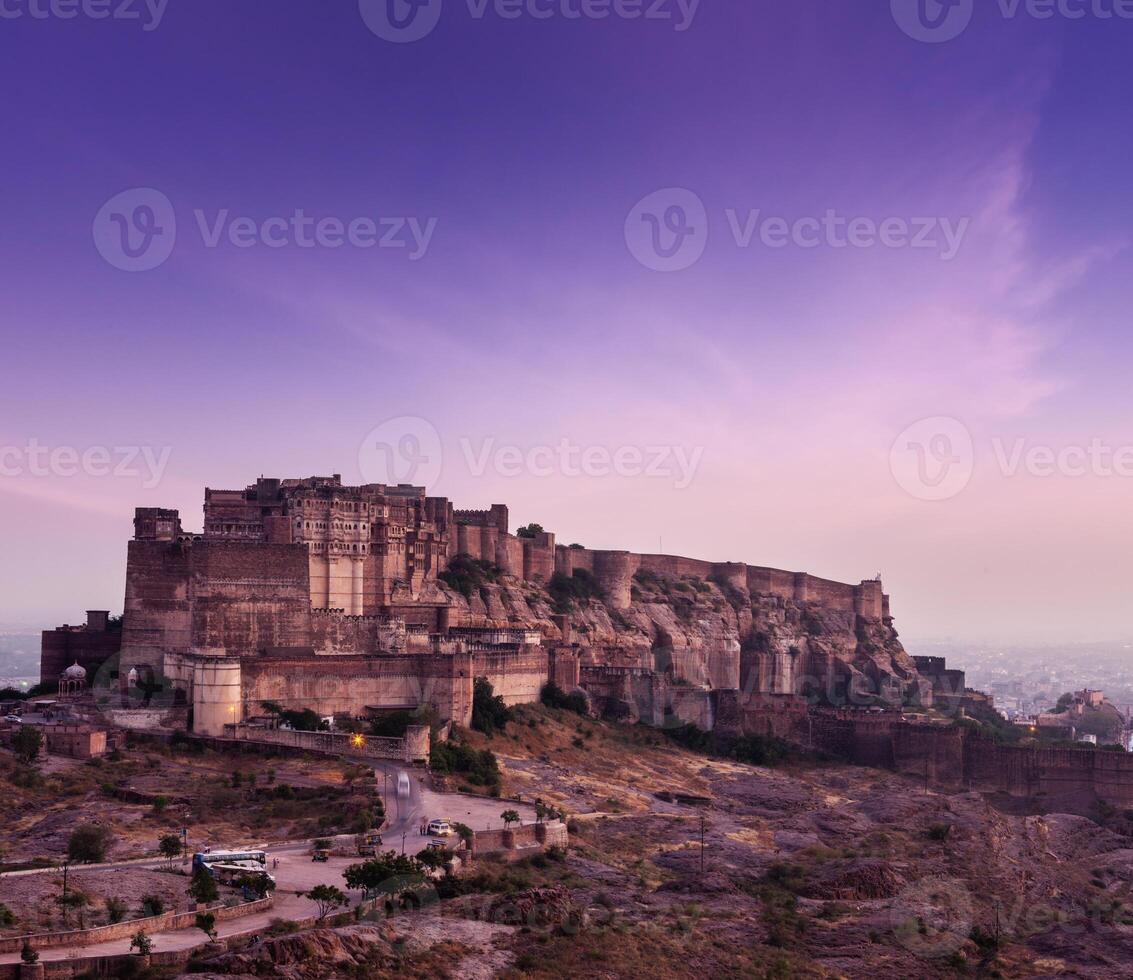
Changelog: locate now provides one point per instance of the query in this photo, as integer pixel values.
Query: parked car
(440, 828)
(321, 856)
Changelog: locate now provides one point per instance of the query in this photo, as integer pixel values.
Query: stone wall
(516, 674)
(348, 685)
(413, 748)
(615, 570)
(636, 694)
(122, 930)
(946, 756)
(519, 842)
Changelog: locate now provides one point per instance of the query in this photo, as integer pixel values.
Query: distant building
(89, 646)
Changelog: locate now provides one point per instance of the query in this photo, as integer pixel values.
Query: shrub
(141, 942)
(553, 696)
(580, 585)
(26, 743)
(479, 768)
(939, 831)
(7, 917)
(89, 843)
(116, 909)
(302, 721)
(152, 905)
(466, 574)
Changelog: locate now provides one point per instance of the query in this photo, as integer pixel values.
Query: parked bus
(229, 857)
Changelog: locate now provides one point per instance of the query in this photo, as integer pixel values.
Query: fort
(354, 601)
(310, 593)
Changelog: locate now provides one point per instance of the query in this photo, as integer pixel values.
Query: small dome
(75, 673)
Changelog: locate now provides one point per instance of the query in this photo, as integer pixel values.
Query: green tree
(509, 817)
(327, 898)
(169, 846)
(26, 743)
(389, 866)
(202, 887)
(206, 922)
(433, 857)
(89, 843)
(489, 712)
(27, 954)
(159, 804)
(141, 942)
(530, 531)
(256, 882)
(302, 721)
(7, 917)
(116, 909)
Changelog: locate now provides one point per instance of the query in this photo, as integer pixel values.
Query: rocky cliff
(706, 633)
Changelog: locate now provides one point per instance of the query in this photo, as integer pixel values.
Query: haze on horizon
(509, 315)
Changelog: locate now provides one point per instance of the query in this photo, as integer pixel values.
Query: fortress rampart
(614, 571)
(945, 756)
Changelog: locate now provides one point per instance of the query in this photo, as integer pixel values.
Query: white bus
(230, 857)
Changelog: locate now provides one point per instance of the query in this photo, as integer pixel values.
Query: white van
(439, 828)
(403, 784)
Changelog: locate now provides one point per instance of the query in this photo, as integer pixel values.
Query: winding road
(297, 873)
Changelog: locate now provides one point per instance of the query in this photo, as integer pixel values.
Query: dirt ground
(31, 898)
(800, 870)
(150, 790)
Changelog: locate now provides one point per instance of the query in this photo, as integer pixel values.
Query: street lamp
(358, 741)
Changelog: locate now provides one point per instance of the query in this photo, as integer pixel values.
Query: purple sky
(524, 319)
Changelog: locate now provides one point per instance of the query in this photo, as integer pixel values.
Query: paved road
(298, 873)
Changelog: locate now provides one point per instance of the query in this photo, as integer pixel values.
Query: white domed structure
(73, 680)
